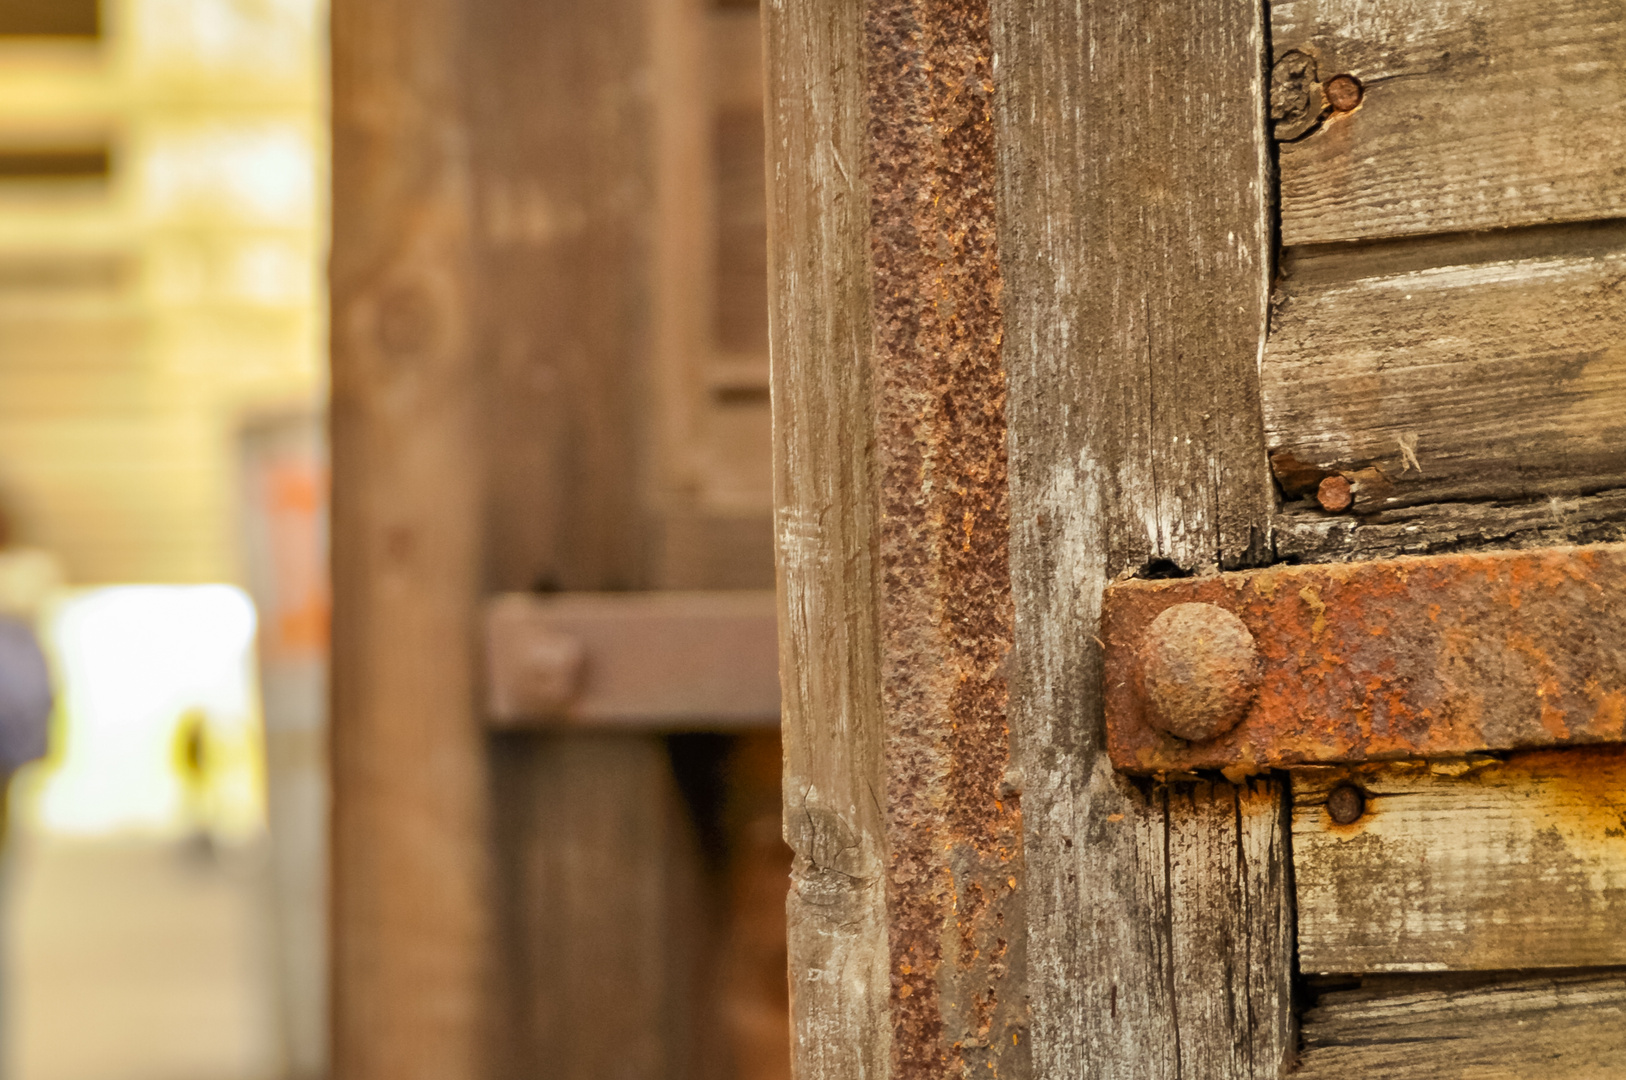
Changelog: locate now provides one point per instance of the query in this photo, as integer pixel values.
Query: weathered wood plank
(410, 902)
(1135, 241)
(1472, 380)
(1476, 115)
(1312, 536)
(825, 509)
(1571, 1027)
(1507, 866)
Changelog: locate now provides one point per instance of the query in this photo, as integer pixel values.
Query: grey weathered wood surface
(1476, 115)
(1507, 866)
(1496, 373)
(1570, 1027)
(1135, 243)
(825, 496)
(410, 899)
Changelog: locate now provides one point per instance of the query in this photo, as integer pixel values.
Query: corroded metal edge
(1439, 656)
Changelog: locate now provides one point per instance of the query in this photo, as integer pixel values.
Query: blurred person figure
(29, 578)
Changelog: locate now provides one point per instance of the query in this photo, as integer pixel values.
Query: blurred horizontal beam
(670, 661)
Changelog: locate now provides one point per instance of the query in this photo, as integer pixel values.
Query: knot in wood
(1200, 669)
(1297, 101)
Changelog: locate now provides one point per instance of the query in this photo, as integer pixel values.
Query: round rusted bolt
(1334, 494)
(1343, 92)
(1199, 671)
(1346, 804)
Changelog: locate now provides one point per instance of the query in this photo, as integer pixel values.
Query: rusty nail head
(1200, 669)
(1346, 804)
(1343, 92)
(1334, 494)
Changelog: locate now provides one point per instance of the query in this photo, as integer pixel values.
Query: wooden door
(1074, 295)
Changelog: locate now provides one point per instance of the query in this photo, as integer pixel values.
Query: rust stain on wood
(1467, 864)
(954, 829)
(1414, 657)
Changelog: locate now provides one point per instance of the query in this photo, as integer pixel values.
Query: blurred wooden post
(521, 327)
(411, 900)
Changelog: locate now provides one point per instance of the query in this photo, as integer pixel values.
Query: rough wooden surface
(826, 500)
(1135, 244)
(1467, 380)
(1476, 115)
(1305, 535)
(1570, 1027)
(1507, 866)
(410, 907)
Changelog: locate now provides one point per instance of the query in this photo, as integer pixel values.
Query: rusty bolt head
(1346, 804)
(1199, 669)
(1343, 92)
(1335, 495)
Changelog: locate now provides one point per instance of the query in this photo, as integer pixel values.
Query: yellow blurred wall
(145, 316)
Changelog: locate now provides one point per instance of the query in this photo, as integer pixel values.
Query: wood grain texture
(1135, 245)
(1507, 866)
(1479, 378)
(1559, 1028)
(1476, 115)
(410, 874)
(825, 513)
(1304, 535)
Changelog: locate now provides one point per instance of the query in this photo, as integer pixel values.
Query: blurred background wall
(162, 367)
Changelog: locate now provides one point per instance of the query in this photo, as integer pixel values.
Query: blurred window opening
(51, 18)
(160, 729)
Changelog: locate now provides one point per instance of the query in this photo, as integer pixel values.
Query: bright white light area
(264, 173)
(138, 663)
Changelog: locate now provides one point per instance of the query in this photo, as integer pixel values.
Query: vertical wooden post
(1140, 932)
(409, 851)
(894, 528)
(1135, 209)
(599, 920)
(826, 508)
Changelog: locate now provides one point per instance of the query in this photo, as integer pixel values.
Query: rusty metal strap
(647, 661)
(1416, 657)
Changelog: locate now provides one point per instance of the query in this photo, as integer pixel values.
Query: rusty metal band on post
(1414, 657)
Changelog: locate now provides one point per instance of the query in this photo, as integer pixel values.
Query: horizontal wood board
(1473, 380)
(1306, 535)
(1465, 866)
(1476, 115)
(1571, 1027)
